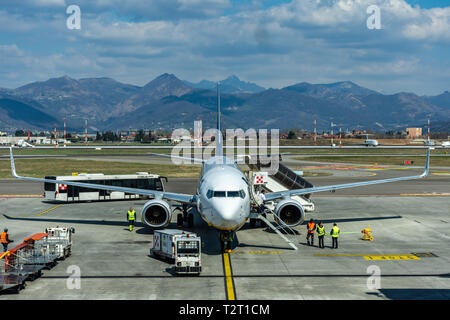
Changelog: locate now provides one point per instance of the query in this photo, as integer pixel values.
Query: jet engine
(290, 212)
(156, 213)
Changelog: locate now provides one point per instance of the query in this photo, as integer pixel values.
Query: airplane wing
(179, 197)
(297, 192)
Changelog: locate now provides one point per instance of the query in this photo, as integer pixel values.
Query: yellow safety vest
(131, 215)
(335, 232)
(320, 231)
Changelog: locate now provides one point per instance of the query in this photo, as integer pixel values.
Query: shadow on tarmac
(412, 294)
(95, 222)
(341, 220)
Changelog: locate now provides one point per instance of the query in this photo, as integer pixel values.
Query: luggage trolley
(39, 252)
(14, 271)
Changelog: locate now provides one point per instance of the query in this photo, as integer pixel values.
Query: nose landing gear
(226, 240)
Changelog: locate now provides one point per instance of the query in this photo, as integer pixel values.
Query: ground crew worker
(262, 207)
(311, 228)
(321, 234)
(335, 235)
(262, 197)
(4, 239)
(131, 216)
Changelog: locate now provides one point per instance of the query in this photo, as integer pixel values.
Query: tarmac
(410, 251)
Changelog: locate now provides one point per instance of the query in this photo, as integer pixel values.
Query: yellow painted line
(264, 251)
(228, 277)
(53, 208)
(392, 257)
(241, 252)
(441, 173)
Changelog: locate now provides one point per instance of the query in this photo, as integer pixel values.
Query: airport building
(413, 133)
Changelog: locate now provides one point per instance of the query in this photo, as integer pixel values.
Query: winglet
(13, 166)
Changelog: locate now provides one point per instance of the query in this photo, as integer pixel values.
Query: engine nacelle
(290, 212)
(156, 213)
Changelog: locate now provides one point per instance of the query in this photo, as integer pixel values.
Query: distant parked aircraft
(371, 142)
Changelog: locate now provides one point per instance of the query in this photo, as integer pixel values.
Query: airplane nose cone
(229, 213)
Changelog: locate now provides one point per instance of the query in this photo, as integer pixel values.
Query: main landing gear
(185, 216)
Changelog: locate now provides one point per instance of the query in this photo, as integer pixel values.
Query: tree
(291, 135)
(139, 136)
(110, 136)
(20, 133)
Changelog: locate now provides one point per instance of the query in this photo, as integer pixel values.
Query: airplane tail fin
(219, 140)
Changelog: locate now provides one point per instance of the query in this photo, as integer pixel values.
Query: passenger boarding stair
(283, 179)
(290, 233)
(286, 179)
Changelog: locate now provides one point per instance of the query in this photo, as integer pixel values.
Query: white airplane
(223, 197)
(24, 144)
(371, 142)
(445, 144)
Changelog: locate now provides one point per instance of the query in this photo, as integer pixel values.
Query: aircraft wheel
(252, 222)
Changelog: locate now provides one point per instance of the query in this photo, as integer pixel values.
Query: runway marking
(264, 251)
(59, 205)
(392, 257)
(424, 254)
(229, 282)
(21, 195)
(374, 256)
(240, 252)
(441, 173)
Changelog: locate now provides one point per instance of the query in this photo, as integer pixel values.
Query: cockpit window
(223, 194)
(219, 194)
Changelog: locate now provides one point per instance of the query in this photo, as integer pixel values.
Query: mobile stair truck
(180, 247)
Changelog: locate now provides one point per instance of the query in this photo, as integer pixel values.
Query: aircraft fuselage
(223, 198)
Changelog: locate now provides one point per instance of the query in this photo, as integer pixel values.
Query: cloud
(432, 25)
(277, 45)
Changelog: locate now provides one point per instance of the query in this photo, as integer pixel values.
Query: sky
(273, 43)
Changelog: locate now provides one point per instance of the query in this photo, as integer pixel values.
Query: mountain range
(167, 102)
